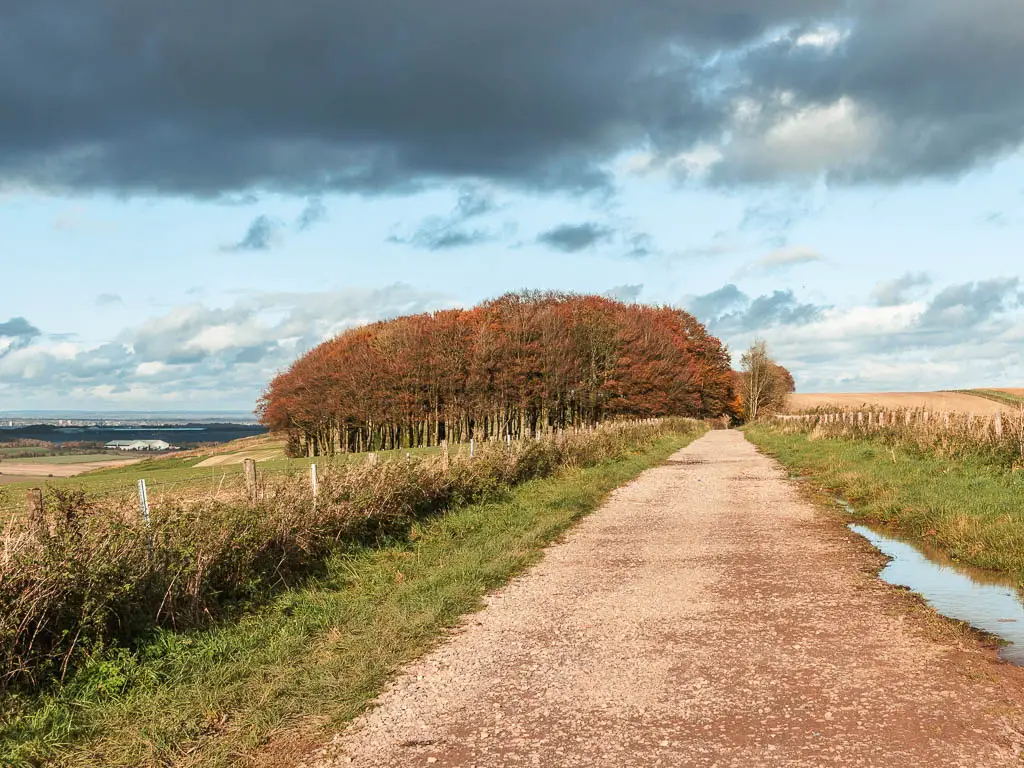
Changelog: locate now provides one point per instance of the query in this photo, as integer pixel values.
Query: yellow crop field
(954, 402)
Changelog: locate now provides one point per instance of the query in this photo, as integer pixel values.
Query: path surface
(705, 616)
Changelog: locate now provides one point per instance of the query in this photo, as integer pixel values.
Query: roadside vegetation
(300, 611)
(951, 480)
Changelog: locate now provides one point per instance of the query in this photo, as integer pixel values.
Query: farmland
(962, 401)
(197, 475)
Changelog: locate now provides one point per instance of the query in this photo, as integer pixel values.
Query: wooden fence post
(999, 425)
(314, 481)
(144, 502)
(34, 497)
(445, 458)
(371, 459)
(249, 469)
(472, 448)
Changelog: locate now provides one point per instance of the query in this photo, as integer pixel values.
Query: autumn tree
(765, 383)
(521, 365)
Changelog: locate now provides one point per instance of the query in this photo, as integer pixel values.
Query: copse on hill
(520, 365)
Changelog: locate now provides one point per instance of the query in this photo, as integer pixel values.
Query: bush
(92, 575)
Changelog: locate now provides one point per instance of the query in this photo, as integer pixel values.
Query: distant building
(138, 445)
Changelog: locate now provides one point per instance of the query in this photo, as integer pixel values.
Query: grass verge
(970, 509)
(994, 395)
(316, 655)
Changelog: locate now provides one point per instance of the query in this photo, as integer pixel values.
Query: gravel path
(705, 616)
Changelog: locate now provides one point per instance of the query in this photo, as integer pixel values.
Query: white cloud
(197, 355)
(151, 368)
(827, 37)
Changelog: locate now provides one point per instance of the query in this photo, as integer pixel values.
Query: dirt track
(25, 470)
(705, 616)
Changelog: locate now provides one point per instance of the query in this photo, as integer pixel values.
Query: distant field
(197, 473)
(83, 458)
(935, 401)
(6, 450)
(61, 466)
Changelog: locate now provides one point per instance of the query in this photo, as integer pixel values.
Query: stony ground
(707, 615)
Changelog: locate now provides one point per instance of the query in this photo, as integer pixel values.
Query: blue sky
(175, 250)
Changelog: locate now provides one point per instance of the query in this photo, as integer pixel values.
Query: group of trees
(520, 365)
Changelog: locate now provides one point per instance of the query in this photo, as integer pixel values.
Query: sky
(193, 194)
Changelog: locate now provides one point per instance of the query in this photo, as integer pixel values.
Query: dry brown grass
(932, 401)
(91, 571)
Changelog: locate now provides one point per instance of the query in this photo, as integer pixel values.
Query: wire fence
(234, 483)
(217, 484)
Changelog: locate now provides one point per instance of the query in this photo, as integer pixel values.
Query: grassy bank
(971, 508)
(316, 654)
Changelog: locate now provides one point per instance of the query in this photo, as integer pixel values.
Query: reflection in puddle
(982, 599)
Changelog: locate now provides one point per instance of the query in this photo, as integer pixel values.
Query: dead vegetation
(89, 573)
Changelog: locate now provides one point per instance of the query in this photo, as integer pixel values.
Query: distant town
(16, 419)
(155, 432)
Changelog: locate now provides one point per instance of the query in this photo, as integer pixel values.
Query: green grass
(9, 451)
(178, 470)
(971, 509)
(318, 653)
(1005, 398)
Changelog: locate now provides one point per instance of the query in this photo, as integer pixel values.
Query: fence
(248, 481)
(999, 436)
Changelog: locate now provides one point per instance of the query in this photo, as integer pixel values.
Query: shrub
(93, 575)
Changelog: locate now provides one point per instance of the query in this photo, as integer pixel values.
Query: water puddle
(983, 599)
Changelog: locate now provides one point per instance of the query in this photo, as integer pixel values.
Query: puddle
(983, 599)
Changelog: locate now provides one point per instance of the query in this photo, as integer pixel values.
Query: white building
(138, 445)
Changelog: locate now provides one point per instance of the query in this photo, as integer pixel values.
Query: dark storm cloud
(213, 99)
(571, 238)
(259, 237)
(201, 98)
(936, 83)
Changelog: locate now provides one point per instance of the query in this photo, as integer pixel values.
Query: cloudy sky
(194, 193)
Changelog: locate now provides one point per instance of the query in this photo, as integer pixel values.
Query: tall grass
(951, 480)
(92, 575)
(998, 439)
